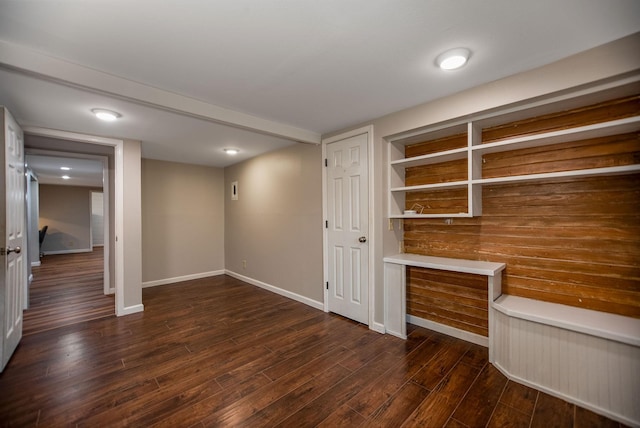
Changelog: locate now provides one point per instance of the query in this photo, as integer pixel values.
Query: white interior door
(348, 226)
(13, 278)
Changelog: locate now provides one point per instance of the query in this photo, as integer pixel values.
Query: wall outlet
(244, 264)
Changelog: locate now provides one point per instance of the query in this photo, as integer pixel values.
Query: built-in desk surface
(445, 263)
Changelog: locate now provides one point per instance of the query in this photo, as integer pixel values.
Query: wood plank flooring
(220, 352)
(67, 289)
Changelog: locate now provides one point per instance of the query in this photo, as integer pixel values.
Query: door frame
(118, 233)
(371, 215)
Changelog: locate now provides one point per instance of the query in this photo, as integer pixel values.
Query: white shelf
(592, 172)
(435, 186)
(432, 133)
(433, 158)
(597, 130)
(446, 215)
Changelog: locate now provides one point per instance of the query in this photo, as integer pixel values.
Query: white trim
(35, 264)
(325, 238)
(190, 277)
(118, 149)
(449, 331)
(131, 310)
(77, 76)
(291, 295)
(378, 327)
(372, 218)
(74, 251)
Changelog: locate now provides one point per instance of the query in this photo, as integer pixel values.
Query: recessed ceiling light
(106, 115)
(453, 59)
(231, 151)
(65, 168)
(65, 177)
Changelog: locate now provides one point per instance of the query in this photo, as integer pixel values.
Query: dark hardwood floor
(67, 289)
(220, 352)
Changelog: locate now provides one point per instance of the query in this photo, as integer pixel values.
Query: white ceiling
(82, 171)
(279, 71)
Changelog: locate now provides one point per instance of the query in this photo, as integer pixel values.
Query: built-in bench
(586, 357)
(594, 323)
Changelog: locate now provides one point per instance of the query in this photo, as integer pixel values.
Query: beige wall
(609, 61)
(182, 220)
(67, 212)
(276, 223)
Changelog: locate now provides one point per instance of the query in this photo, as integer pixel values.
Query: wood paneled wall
(570, 241)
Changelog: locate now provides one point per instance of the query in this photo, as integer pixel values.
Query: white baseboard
(36, 264)
(130, 310)
(277, 290)
(448, 330)
(79, 250)
(182, 278)
(378, 327)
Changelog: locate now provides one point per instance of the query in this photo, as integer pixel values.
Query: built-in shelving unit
(474, 153)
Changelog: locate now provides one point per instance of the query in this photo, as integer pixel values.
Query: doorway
(49, 139)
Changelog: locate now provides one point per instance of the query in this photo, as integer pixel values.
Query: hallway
(67, 289)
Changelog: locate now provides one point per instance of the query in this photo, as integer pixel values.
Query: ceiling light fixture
(453, 58)
(231, 151)
(106, 115)
(65, 177)
(65, 168)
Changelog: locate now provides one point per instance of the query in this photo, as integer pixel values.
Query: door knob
(362, 239)
(10, 250)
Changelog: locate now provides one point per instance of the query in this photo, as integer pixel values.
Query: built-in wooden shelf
(475, 150)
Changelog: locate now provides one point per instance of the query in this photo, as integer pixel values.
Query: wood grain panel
(444, 172)
(438, 201)
(574, 241)
(602, 152)
(451, 298)
(601, 112)
(438, 145)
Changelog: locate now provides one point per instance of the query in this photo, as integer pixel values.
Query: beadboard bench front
(395, 311)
